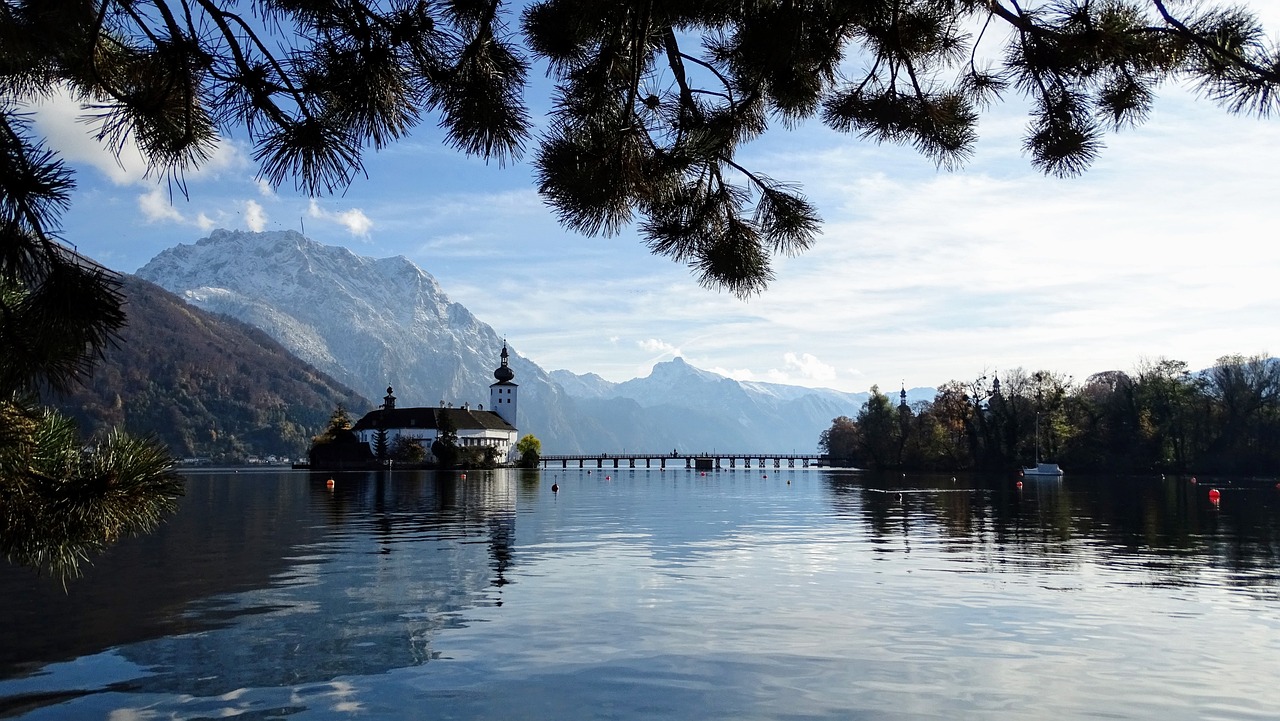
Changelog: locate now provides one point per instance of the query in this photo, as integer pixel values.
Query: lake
(647, 594)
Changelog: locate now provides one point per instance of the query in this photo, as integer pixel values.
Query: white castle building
(475, 427)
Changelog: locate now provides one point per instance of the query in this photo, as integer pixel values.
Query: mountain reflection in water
(270, 594)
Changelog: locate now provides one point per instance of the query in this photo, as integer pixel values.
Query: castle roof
(464, 419)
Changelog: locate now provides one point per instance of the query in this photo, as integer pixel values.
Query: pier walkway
(697, 461)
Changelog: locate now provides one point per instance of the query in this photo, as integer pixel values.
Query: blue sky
(1166, 248)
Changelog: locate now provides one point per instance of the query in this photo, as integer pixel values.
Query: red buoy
(1019, 485)
(328, 483)
(1214, 495)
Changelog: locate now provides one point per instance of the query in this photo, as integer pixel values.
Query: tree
(879, 431)
(653, 101)
(840, 441)
(445, 446)
(1246, 391)
(530, 450)
(407, 450)
(957, 418)
(1166, 395)
(62, 500)
(339, 422)
(481, 457)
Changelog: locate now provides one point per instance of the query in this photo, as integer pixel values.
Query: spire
(504, 374)
(902, 402)
(389, 402)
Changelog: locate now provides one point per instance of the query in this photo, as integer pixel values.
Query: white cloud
(156, 206)
(204, 222)
(254, 216)
(61, 120)
(71, 130)
(738, 374)
(809, 367)
(354, 220)
(659, 348)
(264, 188)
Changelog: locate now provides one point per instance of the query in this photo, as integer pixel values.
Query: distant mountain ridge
(729, 414)
(371, 323)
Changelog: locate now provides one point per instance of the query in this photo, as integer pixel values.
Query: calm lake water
(647, 594)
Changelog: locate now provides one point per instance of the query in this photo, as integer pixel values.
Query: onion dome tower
(503, 394)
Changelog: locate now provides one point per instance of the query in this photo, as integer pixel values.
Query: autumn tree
(339, 423)
(840, 441)
(530, 449)
(958, 421)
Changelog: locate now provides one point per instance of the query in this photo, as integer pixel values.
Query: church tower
(502, 395)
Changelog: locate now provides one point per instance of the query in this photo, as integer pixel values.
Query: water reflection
(1165, 530)
(813, 594)
(275, 579)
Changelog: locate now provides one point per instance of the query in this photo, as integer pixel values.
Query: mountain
(373, 323)
(370, 323)
(695, 409)
(206, 385)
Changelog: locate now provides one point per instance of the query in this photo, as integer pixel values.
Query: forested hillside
(208, 386)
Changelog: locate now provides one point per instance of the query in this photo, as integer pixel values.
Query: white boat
(1041, 469)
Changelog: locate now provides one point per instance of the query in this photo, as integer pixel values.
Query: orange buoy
(1215, 495)
(328, 483)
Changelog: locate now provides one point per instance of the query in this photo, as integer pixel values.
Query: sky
(1166, 248)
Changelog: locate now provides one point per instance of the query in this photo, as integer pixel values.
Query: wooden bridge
(696, 461)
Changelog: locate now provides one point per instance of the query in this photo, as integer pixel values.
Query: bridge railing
(701, 460)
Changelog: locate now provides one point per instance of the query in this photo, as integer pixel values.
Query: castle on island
(473, 428)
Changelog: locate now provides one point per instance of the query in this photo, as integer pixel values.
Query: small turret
(389, 401)
(504, 374)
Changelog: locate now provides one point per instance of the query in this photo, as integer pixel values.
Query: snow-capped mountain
(728, 414)
(372, 323)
